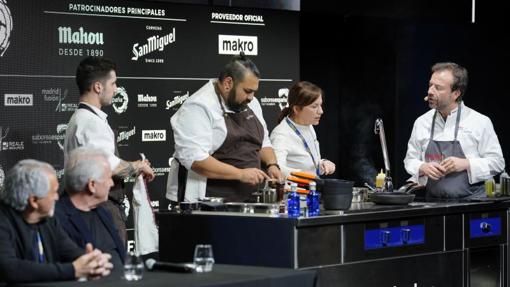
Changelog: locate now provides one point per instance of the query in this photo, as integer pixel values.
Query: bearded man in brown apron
(453, 149)
(221, 139)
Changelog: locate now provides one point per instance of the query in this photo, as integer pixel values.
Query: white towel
(146, 232)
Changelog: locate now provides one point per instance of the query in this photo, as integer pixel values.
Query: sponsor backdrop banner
(164, 52)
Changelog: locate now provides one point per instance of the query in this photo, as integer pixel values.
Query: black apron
(454, 185)
(241, 149)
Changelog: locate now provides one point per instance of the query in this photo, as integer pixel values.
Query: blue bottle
(293, 201)
(313, 200)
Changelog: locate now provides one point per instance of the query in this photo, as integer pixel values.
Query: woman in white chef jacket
(294, 140)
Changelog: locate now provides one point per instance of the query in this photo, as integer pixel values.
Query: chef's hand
(252, 176)
(274, 172)
(432, 170)
(454, 164)
(327, 167)
(144, 167)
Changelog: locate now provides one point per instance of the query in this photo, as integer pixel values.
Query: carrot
(303, 174)
(298, 180)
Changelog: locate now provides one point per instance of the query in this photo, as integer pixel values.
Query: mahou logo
(5, 27)
(66, 35)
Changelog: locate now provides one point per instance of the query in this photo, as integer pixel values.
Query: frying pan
(404, 196)
(391, 198)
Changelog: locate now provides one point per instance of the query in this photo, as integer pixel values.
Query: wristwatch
(270, 164)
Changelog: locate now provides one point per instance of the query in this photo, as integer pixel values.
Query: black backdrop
(379, 66)
(39, 64)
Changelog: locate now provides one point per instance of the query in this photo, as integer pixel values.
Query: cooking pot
(336, 194)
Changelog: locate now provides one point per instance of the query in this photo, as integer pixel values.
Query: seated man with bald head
(33, 245)
(87, 180)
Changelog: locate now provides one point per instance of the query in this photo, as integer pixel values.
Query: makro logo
(154, 43)
(153, 135)
(18, 100)
(120, 100)
(5, 27)
(66, 35)
(233, 45)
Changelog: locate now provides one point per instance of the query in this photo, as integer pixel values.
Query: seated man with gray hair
(87, 180)
(33, 245)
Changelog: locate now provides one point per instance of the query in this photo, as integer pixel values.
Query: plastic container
(490, 187)
(313, 200)
(293, 201)
(379, 179)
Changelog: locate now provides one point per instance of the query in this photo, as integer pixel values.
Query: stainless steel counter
(392, 243)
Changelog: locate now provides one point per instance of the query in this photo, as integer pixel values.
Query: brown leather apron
(241, 149)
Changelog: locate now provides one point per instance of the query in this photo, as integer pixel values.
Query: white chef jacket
(87, 129)
(199, 130)
(476, 137)
(290, 150)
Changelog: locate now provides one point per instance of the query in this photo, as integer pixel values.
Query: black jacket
(72, 222)
(17, 260)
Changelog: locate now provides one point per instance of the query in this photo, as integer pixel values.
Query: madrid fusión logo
(120, 100)
(5, 27)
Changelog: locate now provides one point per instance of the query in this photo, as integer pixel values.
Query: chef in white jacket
(294, 139)
(453, 149)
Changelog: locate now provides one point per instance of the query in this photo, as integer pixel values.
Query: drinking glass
(203, 259)
(133, 267)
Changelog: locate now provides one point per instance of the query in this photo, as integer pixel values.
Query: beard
(233, 104)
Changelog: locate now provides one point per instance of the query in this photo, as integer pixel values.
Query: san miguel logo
(154, 43)
(5, 27)
(177, 100)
